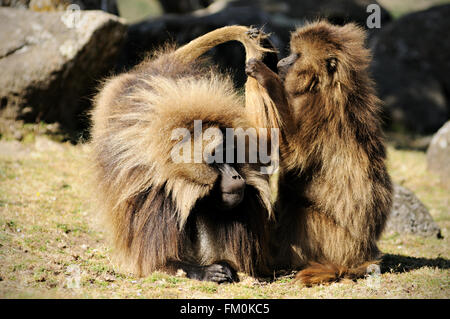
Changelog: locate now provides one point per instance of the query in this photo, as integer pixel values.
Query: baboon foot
(220, 273)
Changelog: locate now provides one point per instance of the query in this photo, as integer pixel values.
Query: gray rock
(177, 6)
(336, 11)
(438, 154)
(109, 6)
(410, 216)
(51, 63)
(51, 5)
(20, 4)
(411, 67)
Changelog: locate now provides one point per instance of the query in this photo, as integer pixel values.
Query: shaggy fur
(159, 212)
(334, 192)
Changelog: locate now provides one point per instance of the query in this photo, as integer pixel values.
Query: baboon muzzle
(232, 186)
(284, 64)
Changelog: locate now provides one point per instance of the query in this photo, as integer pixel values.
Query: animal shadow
(400, 263)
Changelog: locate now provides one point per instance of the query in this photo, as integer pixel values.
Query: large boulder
(177, 6)
(438, 154)
(52, 62)
(20, 4)
(336, 11)
(52, 5)
(409, 215)
(411, 67)
(109, 6)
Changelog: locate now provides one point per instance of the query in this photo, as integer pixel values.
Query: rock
(52, 5)
(336, 11)
(410, 216)
(176, 6)
(438, 154)
(51, 63)
(411, 67)
(109, 6)
(276, 17)
(20, 4)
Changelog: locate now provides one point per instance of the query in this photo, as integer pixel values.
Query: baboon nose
(285, 63)
(236, 185)
(232, 185)
(233, 192)
(281, 63)
(231, 181)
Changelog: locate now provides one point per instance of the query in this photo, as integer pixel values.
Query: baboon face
(227, 183)
(220, 170)
(230, 181)
(313, 61)
(231, 185)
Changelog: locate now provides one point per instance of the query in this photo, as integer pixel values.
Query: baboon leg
(329, 242)
(220, 272)
(331, 251)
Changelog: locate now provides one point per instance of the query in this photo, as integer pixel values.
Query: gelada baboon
(210, 220)
(334, 192)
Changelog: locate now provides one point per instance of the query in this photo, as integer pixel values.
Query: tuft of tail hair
(317, 273)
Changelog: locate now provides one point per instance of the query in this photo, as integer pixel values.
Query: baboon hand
(254, 67)
(220, 273)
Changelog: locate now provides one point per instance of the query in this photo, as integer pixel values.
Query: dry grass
(46, 227)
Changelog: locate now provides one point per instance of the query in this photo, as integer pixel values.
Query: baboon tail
(250, 38)
(263, 111)
(316, 273)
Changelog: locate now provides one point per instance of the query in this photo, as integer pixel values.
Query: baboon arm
(269, 80)
(274, 87)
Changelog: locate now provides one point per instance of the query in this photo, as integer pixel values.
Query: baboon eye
(331, 65)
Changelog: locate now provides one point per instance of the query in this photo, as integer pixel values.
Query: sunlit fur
(155, 210)
(334, 191)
